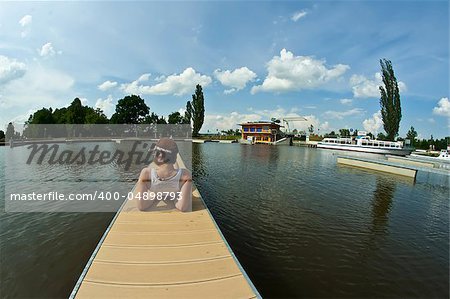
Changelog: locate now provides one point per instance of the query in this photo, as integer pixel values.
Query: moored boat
(363, 143)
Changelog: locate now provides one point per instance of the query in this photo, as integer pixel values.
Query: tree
(196, 110)
(381, 136)
(412, 135)
(95, 116)
(60, 116)
(344, 132)
(150, 119)
(175, 118)
(42, 116)
(311, 129)
(75, 112)
(391, 112)
(9, 132)
(188, 113)
(2, 135)
(130, 110)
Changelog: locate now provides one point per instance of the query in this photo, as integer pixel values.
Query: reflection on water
(382, 203)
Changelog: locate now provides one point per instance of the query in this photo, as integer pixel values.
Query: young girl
(166, 183)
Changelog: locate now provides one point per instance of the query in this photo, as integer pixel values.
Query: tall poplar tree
(196, 110)
(391, 111)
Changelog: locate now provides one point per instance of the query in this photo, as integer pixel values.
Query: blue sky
(255, 60)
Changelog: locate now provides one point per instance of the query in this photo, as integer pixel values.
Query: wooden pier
(164, 254)
(378, 166)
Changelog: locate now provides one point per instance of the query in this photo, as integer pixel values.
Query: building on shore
(260, 132)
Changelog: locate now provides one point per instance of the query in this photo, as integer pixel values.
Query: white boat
(444, 155)
(363, 143)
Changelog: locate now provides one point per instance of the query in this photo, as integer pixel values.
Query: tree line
(131, 109)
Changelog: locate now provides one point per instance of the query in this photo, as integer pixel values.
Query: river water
(301, 226)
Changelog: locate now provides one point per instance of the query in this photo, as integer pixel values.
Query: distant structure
(290, 120)
(260, 132)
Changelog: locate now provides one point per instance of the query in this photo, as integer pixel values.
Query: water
(303, 226)
(300, 225)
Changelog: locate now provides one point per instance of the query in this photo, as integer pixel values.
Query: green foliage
(381, 136)
(60, 116)
(2, 135)
(42, 116)
(175, 118)
(188, 113)
(344, 132)
(161, 121)
(332, 134)
(311, 129)
(412, 135)
(391, 111)
(75, 114)
(150, 119)
(130, 110)
(196, 110)
(9, 132)
(438, 143)
(154, 119)
(94, 116)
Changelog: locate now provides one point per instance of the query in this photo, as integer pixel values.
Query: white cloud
(39, 87)
(177, 84)
(107, 85)
(10, 69)
(289, 73)
(227, 121)
(84, 101)
(106, 105)
(236, 79)
(25, 22)
(325, 126)
(298, 15)
(47, 50)
(346, 101)
(373, 124)
(342, 114)
(366, 88)
(22, 118)
(144, 77)
(443, 107)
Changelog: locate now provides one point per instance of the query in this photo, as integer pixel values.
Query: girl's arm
(184, 204)
(141, 190)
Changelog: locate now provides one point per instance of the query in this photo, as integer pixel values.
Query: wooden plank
(404, 171)
(162, 274)
(169, 239)
(142, 217)
(162, 254)
(232, 287)
(162, 226)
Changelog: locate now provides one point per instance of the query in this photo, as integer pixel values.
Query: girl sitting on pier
(166, 182)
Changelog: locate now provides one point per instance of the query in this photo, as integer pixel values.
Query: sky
(255, 60)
